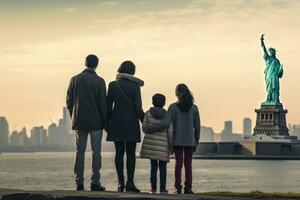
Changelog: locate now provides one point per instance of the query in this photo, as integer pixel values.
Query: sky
(212, 46)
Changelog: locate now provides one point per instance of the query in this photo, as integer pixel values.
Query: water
(54, 171)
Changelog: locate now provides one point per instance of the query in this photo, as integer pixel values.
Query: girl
(186, 124)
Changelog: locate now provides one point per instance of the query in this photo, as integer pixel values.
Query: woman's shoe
(121, 188)
(130, 187)
(79, 188)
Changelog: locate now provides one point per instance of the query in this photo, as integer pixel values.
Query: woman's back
(124, 110)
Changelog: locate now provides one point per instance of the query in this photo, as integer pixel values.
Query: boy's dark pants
(162, 165)
(183, 155)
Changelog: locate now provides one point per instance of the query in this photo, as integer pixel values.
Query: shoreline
(195, 157)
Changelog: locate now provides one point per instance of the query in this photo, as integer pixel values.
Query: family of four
(119, 111)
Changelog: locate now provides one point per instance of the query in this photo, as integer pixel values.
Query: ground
(11, 194)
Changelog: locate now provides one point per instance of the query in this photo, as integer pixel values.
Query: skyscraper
(3, 132)
(227, 134)
(66, 118)
(53, 135)
(59, 134)
(38, 136)
(228, 127)
(247, 127)
(207, 134)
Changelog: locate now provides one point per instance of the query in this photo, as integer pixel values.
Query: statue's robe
(273, 71)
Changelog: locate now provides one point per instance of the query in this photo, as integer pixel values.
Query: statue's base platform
(271, 121)
(252, 148)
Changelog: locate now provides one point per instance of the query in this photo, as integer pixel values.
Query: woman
(186, 126)
(124, 112)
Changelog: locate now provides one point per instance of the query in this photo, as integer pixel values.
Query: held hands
(171, 151)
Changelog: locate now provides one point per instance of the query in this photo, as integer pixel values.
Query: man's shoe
(188, 191)
(97, 188)
(130, 187)
(79, 188)
(178, 191)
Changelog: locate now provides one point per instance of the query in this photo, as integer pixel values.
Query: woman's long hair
(127, 67)
(185, 97)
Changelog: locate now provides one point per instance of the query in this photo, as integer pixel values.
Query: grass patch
(256, 194)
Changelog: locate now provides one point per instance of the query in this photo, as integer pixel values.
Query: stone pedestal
(271, 121)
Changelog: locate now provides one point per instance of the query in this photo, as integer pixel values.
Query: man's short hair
(158, 100)
(91, 61)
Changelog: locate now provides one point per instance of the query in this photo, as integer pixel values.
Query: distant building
(38, 136)
(247, 127)
(227, 134)
(207, 134)
(53, 135)
(23, 139)
(228, 127)
(61, 134)
(4, 132)
(295, 130)
(13, 138)
(19, 138)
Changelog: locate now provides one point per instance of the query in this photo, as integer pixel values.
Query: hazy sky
(212, 46)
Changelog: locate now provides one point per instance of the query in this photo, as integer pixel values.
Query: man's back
(86, 101)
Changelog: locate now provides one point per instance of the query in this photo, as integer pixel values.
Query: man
(86, 102)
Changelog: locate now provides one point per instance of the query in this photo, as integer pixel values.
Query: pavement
(14, 194)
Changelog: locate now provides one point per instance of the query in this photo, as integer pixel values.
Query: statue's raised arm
(263, 44)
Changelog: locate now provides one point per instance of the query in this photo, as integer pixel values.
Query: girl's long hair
(185, 97)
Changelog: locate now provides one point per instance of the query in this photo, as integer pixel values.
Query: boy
(157, 142)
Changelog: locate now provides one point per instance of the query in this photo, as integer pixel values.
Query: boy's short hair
(158, 100)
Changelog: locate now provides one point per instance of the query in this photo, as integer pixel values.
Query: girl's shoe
(164, 191)
(188, 191)
(152, 191)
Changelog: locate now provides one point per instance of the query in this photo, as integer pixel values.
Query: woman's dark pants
(121, 148)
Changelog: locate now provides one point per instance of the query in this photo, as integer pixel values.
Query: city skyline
(59, 136)
(65, 123)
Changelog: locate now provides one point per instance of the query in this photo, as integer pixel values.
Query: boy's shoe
(188, 191)
(97, 188)
(164, 191)
(152, 191)
(79, 188)
(178, 191)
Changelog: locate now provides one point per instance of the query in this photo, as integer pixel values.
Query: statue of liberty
(273, 72)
